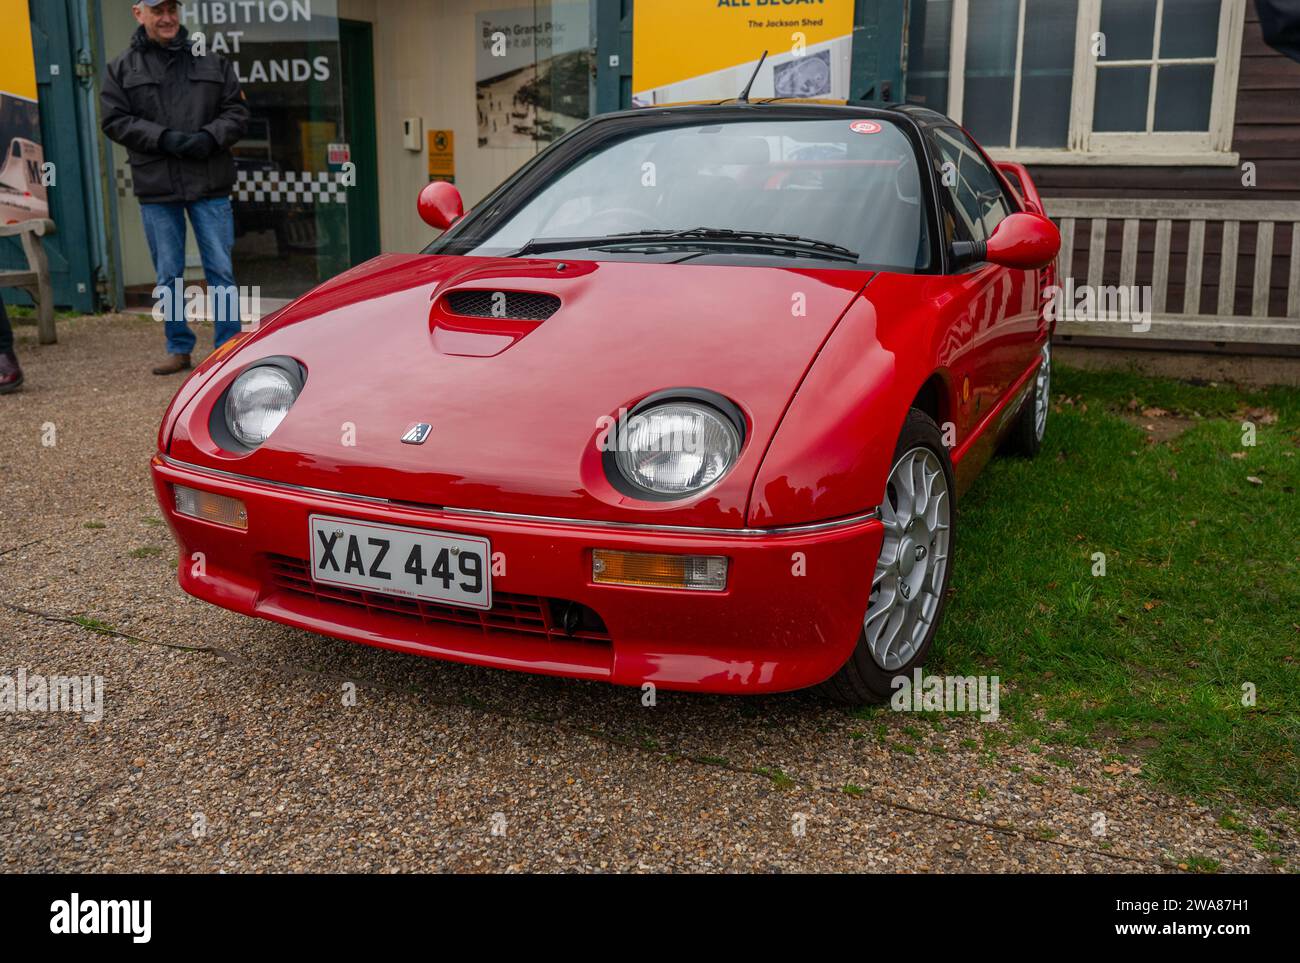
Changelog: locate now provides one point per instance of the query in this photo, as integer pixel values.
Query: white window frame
(1086, 147)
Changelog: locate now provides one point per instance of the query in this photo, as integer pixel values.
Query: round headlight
(677, 448)
(257, 402)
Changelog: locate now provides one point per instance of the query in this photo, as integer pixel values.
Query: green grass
(779, 779)
(1201, 594)
(97, 626)
(25, 314)
(1200, 864)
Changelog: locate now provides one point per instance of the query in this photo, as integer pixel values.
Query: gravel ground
(227, 744)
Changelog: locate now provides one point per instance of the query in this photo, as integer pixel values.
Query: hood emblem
(417, 434)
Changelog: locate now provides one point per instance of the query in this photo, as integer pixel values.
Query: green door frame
(356, 43)
(613, 40)
(70, 251)
(876, 72)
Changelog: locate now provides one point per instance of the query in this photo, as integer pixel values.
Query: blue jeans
(214, 229)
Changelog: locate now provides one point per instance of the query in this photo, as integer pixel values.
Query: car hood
(515, 405)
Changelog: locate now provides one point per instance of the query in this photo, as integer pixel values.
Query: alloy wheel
(909, 577)
(1043, 391)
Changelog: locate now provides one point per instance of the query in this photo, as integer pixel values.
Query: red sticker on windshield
(865, 127)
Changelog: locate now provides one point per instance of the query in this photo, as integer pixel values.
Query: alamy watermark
(193, 302)
(82, 694)
(1128, 304)
(642, 433)
(946, 693)
(131, 917)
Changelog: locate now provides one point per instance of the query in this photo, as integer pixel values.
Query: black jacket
(151, 89)
(1280, 21)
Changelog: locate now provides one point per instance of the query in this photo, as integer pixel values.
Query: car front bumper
(789, 617)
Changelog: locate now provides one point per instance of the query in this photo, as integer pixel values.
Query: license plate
(411, 562)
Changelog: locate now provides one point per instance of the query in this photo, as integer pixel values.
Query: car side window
(977, 201)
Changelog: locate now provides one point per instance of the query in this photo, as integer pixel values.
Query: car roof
(918, 115)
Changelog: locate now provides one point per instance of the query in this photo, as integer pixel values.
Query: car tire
(1026, 436)
(863, 679)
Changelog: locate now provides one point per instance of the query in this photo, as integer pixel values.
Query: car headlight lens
(677, 448)
(257, 402)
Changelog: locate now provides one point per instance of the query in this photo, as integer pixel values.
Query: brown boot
(174, 363)
(11, 376)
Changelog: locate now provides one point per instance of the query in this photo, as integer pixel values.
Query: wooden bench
(36, 279)
(1191, 254)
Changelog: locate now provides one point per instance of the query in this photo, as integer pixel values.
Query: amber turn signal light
(210, 507)
(700, 573)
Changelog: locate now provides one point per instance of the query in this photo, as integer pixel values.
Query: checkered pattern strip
(276, 187)
(289, 187)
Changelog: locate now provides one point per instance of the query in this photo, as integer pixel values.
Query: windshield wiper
(540, 245)
(764, 239)
(760, 238)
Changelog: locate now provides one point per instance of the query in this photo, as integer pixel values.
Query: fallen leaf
(1239, 455)
(1254, 481)
(1262, 416)
(1154, 412)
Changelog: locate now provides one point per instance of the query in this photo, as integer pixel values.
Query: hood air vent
(507, 305)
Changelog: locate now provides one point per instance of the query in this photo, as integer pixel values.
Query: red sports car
(688, 400)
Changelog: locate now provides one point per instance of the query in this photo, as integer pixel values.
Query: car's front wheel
(910, 577)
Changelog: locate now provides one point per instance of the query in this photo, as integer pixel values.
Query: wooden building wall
(1266, 132)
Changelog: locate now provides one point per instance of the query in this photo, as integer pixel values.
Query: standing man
(177, 111)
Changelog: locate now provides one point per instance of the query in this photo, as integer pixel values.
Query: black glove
(173, 142)
(199, 146)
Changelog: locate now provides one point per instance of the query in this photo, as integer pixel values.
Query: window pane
(1121, 102)
(1047, 71)
(990, 65)
(1183, 94)
(929, 31)
(975, 190)
(1189, 28)
(1130, 28)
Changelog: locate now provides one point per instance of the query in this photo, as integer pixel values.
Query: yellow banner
(17, 62)
(681, 47)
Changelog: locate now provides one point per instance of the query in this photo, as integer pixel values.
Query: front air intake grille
(554, 620)
(508, 305)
